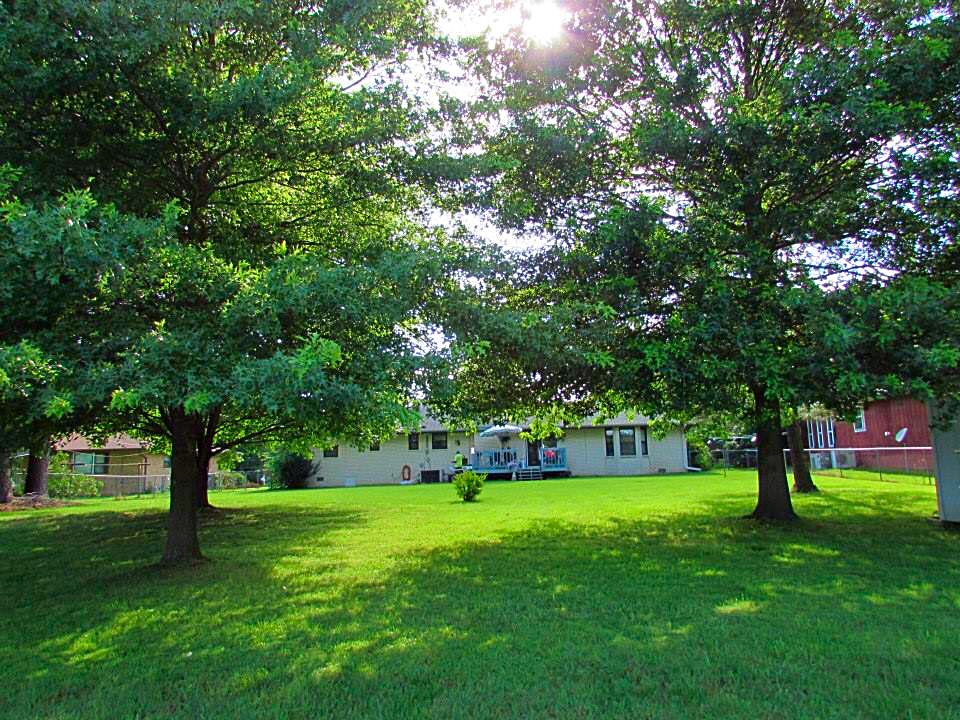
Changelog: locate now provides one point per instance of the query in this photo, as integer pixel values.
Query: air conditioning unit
(845, 459)
(819, 461)
(429, 476)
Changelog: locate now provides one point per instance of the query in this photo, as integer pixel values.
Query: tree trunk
(183, 544)
(38, 466)
(802, 481)
(203, 497)
(6, 485)
(208, 431)
(773, 500)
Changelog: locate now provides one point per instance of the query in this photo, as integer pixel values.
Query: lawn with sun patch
(602, 597)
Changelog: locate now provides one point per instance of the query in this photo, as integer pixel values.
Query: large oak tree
(733, 186)
(288, 301)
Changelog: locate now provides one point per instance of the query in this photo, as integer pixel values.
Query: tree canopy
(734, 191)
(287, 297)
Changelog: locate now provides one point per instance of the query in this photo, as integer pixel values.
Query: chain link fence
(126, 485)
(881, 463)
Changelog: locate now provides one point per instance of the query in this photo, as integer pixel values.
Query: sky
(542, 21)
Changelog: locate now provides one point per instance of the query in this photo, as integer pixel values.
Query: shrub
(700, 455)
(229, 479)
(63, 482)
(292, 471)
(468, 484)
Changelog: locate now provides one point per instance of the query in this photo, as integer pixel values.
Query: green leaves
(721, 180)
(316, 353)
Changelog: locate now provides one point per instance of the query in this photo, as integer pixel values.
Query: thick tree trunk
(183, 544)
(38, 466)
(802, 481)
(6, 485)
(773, 500)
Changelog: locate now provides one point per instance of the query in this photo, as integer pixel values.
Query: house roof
(78, 443)
(431, 424)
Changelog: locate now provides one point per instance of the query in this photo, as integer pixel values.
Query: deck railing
(508, 459)
(553, 458)
(504, 459)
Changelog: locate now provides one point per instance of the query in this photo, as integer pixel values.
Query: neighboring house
(887, 434)
(124, 465)
(621, 446)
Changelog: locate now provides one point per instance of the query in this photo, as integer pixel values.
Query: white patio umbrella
(501, 431)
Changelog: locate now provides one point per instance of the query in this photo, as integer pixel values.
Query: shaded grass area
(606, 597)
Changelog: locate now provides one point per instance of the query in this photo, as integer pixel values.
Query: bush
(63, 482)
(292, 471)
(230, 479)
(468, 484)
(700, 455)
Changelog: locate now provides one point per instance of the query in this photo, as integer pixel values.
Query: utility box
(946, 461)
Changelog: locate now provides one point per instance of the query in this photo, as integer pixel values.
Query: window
(90, 463)
(550, 442)
(413, 441)
(332, 452)
(644, 447)
(374, 447)
(860, 422)
(608, 438)
(438, 441)
(819, 433)
(831, 434)
(628, 441)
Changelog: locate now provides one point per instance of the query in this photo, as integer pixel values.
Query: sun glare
(544, 22)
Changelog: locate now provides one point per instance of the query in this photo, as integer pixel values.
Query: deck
(507, 461)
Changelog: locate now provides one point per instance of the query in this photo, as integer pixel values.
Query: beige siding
(586, 454)
(125, 462)
(385, 466)
(155, 465)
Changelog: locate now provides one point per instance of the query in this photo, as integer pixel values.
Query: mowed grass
(918, 477)
(582, 598)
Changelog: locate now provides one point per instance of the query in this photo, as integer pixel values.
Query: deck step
(531, 473)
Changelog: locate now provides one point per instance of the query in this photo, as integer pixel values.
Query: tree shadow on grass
(697, 615)
(702, 614)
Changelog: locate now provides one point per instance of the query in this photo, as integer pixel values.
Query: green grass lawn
(627, 597)
(919, 477)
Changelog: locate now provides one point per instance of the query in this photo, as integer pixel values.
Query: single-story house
(620, 446)
(124, 464)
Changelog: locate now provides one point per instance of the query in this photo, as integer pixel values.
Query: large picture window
(90, 463)
(608, 441)
(438, 441)
(628, 441)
